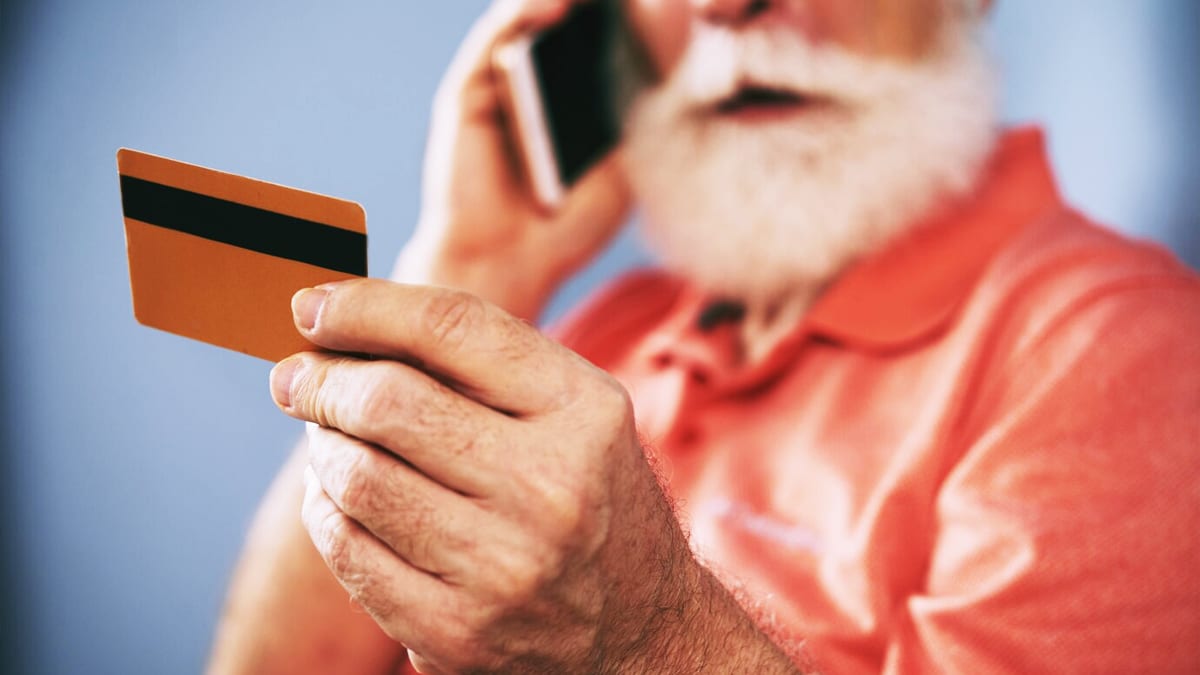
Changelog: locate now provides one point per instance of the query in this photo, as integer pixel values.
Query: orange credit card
(217, 257)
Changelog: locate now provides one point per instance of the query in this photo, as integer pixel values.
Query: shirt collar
(906, 292)
(913, 286)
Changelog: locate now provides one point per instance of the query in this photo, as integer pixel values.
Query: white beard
(763, 212)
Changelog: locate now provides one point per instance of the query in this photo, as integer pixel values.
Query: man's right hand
(481, 230)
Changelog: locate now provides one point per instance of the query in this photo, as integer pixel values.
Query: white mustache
(753, 210)
(719, 63)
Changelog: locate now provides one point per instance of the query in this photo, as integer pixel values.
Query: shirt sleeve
(1068, 531)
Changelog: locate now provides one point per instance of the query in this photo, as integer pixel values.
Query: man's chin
(772, 203)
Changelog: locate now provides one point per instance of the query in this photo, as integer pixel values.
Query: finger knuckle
(357, 484)
(321, 389)
(376, 598)
(451, 317)
(522, 575)
(421, 536)
(611, 403)
(425, 408)
(562, 507)
(377, 399)
(335, 543)
(522, 583)
(467, 446)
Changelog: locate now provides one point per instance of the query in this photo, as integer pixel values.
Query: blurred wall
(132, 460)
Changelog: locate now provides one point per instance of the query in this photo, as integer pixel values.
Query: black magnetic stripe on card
(244, 226)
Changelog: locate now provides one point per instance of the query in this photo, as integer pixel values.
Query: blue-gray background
(132, 460)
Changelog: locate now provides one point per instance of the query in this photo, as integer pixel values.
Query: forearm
(285, 612)
(710, 633)
(700, 626)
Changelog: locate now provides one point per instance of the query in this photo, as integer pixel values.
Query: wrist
(495, 278)
(676, 609)
(696, 625)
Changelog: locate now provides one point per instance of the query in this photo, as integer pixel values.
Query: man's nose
(730, 12)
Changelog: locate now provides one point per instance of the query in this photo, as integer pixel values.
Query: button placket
(687, 429)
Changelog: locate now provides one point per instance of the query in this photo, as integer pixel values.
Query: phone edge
(526, 112)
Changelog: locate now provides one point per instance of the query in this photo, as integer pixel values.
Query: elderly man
(890, 407)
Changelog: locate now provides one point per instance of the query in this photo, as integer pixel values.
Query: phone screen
(574, 65)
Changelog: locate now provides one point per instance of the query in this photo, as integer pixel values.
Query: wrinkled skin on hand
(479, 489)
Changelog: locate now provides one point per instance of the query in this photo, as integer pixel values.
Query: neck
(766, 323)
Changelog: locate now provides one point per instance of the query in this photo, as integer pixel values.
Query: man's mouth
(758, 101)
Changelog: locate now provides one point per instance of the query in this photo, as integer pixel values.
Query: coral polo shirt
(979, 452)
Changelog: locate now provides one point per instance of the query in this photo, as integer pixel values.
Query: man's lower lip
(766, 112)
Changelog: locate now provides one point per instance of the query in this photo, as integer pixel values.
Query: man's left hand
(479, 489)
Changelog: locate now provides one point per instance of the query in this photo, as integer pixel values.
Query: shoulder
(1083, 338)
(1064, 273)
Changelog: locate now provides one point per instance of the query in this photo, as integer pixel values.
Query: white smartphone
(560, 97)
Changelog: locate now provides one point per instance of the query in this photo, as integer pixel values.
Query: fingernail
(281, 381)
(306, 305)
